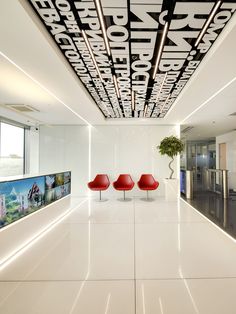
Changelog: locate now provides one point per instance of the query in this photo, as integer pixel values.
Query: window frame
(25, 145)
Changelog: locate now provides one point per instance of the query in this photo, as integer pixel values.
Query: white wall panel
(230, 140)
(114, 150)
(66, 148)
(51, 149)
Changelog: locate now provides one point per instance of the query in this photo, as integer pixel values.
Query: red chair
(147, 183)
(100, 183)
(124, 183)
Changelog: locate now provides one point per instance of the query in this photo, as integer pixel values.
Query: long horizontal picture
(22, 197)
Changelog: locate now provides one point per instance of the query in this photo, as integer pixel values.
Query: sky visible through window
(12, 141)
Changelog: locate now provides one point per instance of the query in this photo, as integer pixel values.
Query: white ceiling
(27, 44)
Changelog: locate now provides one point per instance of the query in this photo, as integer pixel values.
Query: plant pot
(171, 189)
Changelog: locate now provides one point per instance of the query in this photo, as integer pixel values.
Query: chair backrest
(125, 179)
(146, 179)
(101, 179)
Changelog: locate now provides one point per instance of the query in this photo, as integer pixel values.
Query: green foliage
(171, 146)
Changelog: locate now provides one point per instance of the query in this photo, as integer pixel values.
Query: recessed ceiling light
(116, 86)
(133, 100)
(145, 110)
(102, 23)
(160, 50)
(91, 54)
(207, 23)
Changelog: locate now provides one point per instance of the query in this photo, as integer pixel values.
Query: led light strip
(160, 49)
(145, 111)
(102, 23)
(207, 22)
(44, 88)
(133, 100)
(91, 53)
(209, 99)
(116, 86)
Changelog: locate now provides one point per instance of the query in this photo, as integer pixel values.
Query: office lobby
(98, 215)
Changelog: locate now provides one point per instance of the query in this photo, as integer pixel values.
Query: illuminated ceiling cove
(134, 57)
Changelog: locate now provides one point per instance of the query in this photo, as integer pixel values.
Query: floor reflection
(221, 211)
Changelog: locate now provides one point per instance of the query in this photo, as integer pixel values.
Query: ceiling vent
(187, 129)
(232, 114)
(21, 108)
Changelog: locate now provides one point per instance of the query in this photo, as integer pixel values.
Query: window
(11, 150)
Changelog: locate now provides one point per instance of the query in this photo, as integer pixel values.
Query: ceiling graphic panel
(134, 57)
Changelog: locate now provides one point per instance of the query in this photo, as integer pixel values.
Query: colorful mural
(22, 197)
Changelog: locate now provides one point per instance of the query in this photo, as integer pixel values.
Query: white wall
(66, 148)
(230, 140)
(112, 150)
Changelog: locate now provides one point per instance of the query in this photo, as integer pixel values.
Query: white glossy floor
(118, 257)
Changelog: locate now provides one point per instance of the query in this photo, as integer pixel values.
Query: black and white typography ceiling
(134, 56)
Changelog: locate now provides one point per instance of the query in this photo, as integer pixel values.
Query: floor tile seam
(186, 278)
(97, 223)
(136, 223)
(68, 280)
(135, 258)
(172, 222)
(118, 280)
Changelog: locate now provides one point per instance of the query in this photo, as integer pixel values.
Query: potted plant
(171, 146)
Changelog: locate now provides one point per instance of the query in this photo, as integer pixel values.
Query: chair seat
(149, 188)
(123, 188)
(124, 183)
(147, 183)
(100, 183)
(97, 188)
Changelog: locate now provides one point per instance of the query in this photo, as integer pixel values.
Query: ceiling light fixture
(91, 54)
(145, 111)
(44, 88)
(116, 86)
(133, 100)
(216, 7)
(160, 50)
(102, 23)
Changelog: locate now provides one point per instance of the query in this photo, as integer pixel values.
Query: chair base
(101, 200)
(149, 199)
(125, 199)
